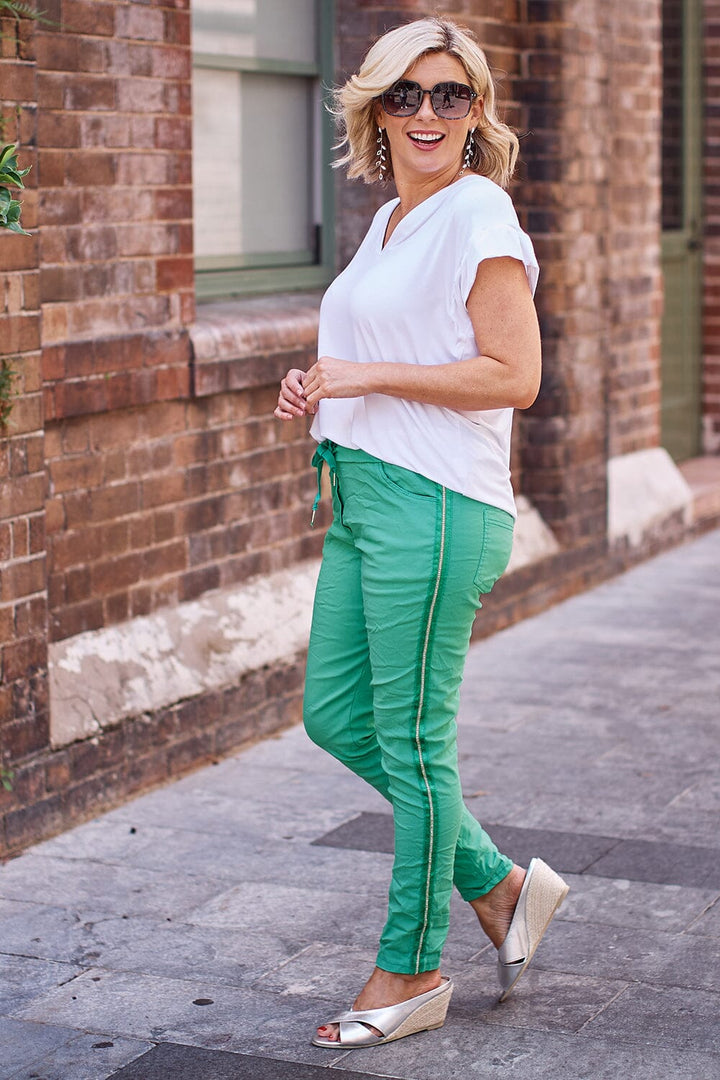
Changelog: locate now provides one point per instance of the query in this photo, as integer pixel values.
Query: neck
(413, 191)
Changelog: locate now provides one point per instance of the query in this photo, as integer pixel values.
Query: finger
(283, 414)
(288, 400)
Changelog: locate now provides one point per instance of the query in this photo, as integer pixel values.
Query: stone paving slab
(484, 1052)
(171, 1062)
(670, 864)
(203, 930)
(21, 1043)
(82, 1057)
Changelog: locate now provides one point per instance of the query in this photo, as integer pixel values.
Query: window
(261, 145)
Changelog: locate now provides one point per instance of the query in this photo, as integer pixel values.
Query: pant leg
(399, 582)
(338, 703)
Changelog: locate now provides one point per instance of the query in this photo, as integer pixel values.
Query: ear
(378, 114)
(477, 112)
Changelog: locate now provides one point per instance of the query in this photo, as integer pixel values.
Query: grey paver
(165, 1010)
(103, 887)
(23, 978)
(23, 1042)
(189, 1063)
(636, 905)
(480, 1051)
(664, 1015)
(84, 1057)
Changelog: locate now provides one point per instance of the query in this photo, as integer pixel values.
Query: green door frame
(682, 267)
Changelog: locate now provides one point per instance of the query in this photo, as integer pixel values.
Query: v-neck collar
(414, 218)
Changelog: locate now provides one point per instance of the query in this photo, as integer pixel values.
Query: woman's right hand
(291, 399)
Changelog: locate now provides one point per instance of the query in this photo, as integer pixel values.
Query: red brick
(88, 92)
(176, 273)
(22, 579)
(140, 23)
(173, 133)
(25, 495)
(17, 82)
(171, 63)
(20, 658)
(88, 17)
(18, 253)
(91, 168)
(173, 204)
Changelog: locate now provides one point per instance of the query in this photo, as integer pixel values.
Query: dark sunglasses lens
(402, 99)
(451, 100)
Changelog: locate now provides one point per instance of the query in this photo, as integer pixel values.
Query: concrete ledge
(533, 540)
(252, 341)
(703, 477)
(100, 678)
(141, 666)
(645, 490)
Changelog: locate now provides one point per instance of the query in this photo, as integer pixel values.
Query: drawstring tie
(324, 453)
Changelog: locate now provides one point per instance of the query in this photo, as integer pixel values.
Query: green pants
(404, 563)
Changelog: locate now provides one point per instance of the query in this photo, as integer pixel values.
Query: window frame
(282, 275)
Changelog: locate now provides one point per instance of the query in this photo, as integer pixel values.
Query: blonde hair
(392, 55)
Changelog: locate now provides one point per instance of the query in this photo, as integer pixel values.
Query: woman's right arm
(291, 399)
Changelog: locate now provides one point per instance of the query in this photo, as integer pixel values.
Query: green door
(681, 229)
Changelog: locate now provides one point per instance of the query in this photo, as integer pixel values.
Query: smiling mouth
(425, 138)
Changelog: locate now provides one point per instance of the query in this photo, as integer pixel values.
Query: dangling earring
(469, 148)
(380, 156)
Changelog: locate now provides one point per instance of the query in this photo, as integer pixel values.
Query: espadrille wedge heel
(421, 1013)
(542, 894)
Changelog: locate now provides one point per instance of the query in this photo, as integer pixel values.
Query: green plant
(10, 174)
(7, 378)
(18, 10)
(6, 778)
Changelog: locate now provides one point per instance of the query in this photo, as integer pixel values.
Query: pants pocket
(405, 482)
(496, 548)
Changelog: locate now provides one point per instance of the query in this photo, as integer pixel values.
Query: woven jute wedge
(542, 894)
(422, 1013)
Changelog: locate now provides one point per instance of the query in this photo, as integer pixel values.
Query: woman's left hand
(333, 378)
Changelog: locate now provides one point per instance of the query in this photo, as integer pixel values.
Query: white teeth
(425, 136)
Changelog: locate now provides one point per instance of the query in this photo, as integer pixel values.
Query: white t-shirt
(406, 302)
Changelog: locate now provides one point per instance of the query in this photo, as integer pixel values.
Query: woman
(427, 342)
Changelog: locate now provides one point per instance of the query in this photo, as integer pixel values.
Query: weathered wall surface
(176, 507)
(24, 716)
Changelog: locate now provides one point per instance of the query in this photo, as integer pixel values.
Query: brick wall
(148, 507)
(634, 98)
(24, 720)
(565, 192)
(114, 168)
(164, 471)
(711, 260)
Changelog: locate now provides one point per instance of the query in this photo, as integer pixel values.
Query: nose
(426, 111)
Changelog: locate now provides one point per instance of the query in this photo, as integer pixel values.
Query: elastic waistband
(328, 449)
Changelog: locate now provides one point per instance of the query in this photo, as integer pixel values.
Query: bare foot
(495, 909)
(385, 988)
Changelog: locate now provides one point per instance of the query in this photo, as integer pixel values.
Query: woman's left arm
(506, 373)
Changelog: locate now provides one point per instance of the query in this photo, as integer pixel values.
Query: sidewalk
(202, 931)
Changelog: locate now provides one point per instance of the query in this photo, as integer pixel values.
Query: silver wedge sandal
(422, 1013)
(542, 894)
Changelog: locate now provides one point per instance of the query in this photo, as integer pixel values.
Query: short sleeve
(495, 241)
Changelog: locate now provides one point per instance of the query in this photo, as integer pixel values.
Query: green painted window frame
(228, 276)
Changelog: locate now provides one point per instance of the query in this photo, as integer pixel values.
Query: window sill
(252, 341)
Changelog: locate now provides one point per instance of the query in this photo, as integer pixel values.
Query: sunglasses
(449, 100)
